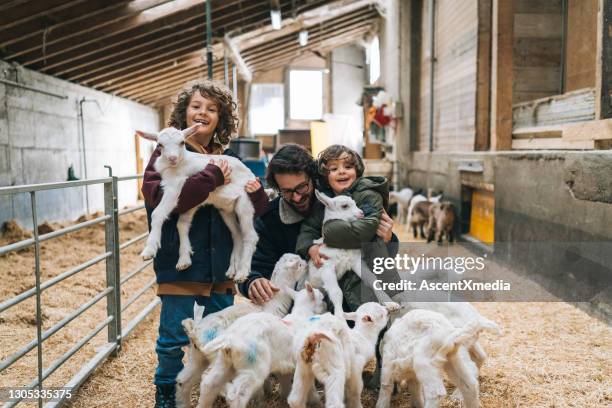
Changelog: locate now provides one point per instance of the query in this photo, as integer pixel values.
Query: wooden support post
(483, 77)
(501, 74)
(603, 100)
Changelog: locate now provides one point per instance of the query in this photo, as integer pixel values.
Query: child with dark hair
(204, 282)
(341, 172)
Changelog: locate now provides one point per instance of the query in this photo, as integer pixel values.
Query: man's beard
(303, 207)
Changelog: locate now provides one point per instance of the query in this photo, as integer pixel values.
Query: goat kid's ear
(310, 290)
(350, 316)
(324, 199)
(198, 312)
(190, 130)
(147, 135)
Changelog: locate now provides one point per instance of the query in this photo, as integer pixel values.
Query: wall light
(275, 15)
(303, 37)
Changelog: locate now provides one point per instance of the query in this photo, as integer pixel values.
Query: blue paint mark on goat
(252, 353)
(210, 334)
(314, 318)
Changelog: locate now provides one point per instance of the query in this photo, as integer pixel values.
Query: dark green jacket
(371, 194)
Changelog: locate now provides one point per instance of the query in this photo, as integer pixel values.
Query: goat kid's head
(309, 298)
(290, 267)
(339, 208)
(171, 141)
(373, 315)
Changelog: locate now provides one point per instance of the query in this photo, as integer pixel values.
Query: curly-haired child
(212, 105)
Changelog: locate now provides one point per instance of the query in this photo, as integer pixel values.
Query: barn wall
(561, 199)
(40, 139)
(537, 49)
(456, 29)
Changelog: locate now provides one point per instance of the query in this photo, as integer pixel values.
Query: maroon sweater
(195, 190)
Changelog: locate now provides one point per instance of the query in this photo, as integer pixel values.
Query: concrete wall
(562, 199)
(40, 139)
(348, 77)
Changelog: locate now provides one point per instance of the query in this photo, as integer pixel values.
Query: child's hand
(385, 228)
(252, 186)
(316, 256)
(225, 169)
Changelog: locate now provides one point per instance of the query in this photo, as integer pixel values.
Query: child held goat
(175, 165)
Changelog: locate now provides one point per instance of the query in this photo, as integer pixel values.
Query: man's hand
(252, 186)
(261, 290)
(385, 228)
(225, 169)
(316, 256)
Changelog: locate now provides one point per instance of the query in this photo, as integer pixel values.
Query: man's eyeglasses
(301, 189)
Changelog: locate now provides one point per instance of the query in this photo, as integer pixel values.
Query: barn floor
(550, 355)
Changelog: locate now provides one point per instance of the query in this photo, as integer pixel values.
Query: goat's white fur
(254, 347)
(328, 351)
(418, 198)
(289, 269)
(339, 260)
(422, 345)
(175, 165)
(402, 198)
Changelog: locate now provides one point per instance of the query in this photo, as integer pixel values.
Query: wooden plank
(502, 74)
(540, 132)
(574, 106)
(592, 130)
(483, 76)
(552, 144)
(33, 10)
(415, 72)
(606, 59)
(537, 6)
(538, 52)
(538, 25)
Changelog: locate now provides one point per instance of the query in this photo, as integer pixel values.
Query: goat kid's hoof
(240, 276)
(148, 253)
(183, 264)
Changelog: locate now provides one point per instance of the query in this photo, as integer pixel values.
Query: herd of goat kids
(236, 350)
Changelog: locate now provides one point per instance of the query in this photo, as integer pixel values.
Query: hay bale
(13, 232)
(45, 228)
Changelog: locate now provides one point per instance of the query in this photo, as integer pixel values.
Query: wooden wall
(581, 44)
(456, 29)
(538, 27)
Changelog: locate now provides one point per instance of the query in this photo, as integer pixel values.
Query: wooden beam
(173, 81)
(234, 53)
(306, 20)
(98, 26)
(34, 10)
(291, 39)
(551, 144)
(603, 101)
(501, 74)
(145, 80)
(483, 77)
(36, 28)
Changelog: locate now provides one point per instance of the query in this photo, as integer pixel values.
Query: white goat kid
(254, 347)
(175, 165)
(339, 261)
(459, 314)
(402, 198)
(289, 269)
(419, 347)
(327, 350)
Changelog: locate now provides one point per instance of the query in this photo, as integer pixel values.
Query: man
(293, 172)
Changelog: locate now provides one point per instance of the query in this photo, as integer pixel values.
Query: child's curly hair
(335, 152)
(216, 91)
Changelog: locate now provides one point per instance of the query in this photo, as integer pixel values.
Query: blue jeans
(172, 337)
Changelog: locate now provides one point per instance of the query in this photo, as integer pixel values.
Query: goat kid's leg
(431, 382)
(462, 371)
(159, 215)
(189, 376)
(354, 387)
(213, 382)
(478, 354)
(334, 390)
(183, 226)
(330, 284)
(303, 382)
(386, 387)
(232, 224)
(416, 393)
(244, 386)
(245, 212)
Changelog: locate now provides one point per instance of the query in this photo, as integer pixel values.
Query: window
(373, 56)
(306, 94)
(266, 109)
